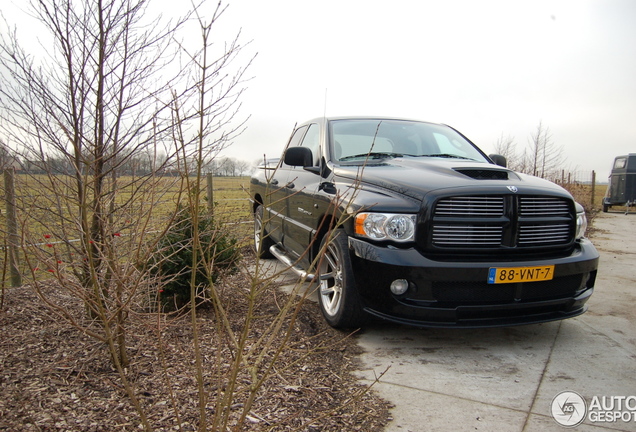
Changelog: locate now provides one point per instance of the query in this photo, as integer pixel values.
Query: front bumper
(456, 294)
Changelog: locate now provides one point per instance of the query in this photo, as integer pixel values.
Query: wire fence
(585, 187)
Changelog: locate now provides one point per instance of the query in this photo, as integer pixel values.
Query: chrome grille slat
(538, 242)
(543, 229)
(539, 235)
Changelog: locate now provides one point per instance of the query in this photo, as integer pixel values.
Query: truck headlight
(385, 226)
(581, 221)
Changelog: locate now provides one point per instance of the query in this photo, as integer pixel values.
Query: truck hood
(416, 177)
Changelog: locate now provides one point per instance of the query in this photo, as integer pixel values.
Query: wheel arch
(256, 201)
(326, 223)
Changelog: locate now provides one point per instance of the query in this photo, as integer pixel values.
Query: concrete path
(506, 379)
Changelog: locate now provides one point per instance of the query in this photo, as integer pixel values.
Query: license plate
(499, 275)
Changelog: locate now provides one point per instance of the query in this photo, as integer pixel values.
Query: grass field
(36, 194)
(48, 215)
(231, 196)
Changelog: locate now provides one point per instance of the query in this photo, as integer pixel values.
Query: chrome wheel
(338, 295)
(262, 242)
(331, 281)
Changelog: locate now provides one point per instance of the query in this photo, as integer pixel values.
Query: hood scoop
(484, 174)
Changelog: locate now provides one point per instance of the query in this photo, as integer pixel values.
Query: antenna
(324, 112)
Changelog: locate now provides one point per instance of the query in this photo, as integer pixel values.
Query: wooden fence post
(12, 227)
(210, 193)
(593, 186)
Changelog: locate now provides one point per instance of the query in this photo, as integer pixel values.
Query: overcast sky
(488, 68)
(484, 67)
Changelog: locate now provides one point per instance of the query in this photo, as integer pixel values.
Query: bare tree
(242, 167)
(101, 101)
(544, 157)
(506, 146)
(227, 167)
(104, 97)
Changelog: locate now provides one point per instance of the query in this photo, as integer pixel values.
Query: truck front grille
(502, 222)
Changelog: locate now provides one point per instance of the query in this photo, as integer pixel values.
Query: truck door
(302, 186)
(276, 201)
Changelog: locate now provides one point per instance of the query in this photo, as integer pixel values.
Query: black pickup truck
(410, 222)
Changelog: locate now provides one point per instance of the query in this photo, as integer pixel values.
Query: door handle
(327, 187)
(290, 185)
(274, 182)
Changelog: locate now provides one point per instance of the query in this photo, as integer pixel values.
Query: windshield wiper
(372, 155)
(446, 155)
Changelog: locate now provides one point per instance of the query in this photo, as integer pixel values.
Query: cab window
(295, 141)
(312, 142)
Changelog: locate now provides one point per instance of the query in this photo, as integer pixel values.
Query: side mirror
(499, 160)
(299, 156)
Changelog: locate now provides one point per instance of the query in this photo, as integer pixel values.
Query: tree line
(142, 164)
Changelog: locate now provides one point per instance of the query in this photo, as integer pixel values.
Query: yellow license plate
(499, 275)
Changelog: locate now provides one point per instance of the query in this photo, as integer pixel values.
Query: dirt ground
(53, 377)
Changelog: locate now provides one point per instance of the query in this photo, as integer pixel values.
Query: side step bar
(285, 259)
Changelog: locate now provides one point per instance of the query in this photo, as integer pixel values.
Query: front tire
(262, 241)
(339, 300)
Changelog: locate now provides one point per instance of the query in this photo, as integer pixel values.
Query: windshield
(361, 138)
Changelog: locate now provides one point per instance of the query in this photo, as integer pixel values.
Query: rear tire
(338, 297)
(262, 241)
